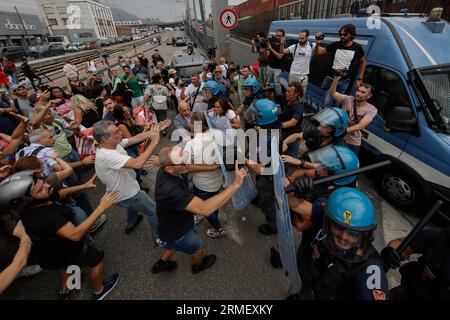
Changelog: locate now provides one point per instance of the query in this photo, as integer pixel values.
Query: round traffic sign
(228, 18)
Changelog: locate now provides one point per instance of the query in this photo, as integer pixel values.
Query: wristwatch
(302, 162)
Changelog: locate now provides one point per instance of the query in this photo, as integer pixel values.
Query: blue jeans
(14, 78)
(74, 179)
(80, 216)
(293, 148)
(141, 202)
(189, 243)
(341, 87)
(213, 218)
(134, 153)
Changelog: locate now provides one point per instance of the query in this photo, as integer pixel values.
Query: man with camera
(302, 53)
(274, 55)
(348, 61)
(259, 46)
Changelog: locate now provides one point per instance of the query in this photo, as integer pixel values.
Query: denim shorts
(189, 243)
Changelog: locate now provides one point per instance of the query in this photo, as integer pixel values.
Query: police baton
(346, 174)
(419, 226)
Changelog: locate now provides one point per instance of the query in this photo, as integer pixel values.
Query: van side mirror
(400, 118)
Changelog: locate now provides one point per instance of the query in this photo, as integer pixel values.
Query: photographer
(302, 53)
(348, 60)
(259, 46)
(274, 55)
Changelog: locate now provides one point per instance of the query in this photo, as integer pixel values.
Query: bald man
(181, 120)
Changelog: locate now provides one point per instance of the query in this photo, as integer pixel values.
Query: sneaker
(130, 229)
(108, 285)
(161, 266)
(101, 220)
(198, 218)
(208, 261)
(267, 229)
(213, 233)
(29, 271)
(65, 296)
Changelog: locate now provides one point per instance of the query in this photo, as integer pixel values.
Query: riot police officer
(429, 277)
(212, 93)
(266, 118)
(330, 127)
(252, 94)
(308, 202)
(336, 258)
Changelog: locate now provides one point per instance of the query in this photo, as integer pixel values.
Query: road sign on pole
(228, 18)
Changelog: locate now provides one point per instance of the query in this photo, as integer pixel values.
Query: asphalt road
(242, 270)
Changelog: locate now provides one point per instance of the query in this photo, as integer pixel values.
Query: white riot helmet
(15, 190)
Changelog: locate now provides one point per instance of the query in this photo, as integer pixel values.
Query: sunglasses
(343, 34)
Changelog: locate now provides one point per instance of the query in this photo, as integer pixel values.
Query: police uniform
(332, 274)
(434, 245)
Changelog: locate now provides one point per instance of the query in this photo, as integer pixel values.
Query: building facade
(79, 20)
(20, 29)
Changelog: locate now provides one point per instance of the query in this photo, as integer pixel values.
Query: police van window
(319, 67)
(389, 89)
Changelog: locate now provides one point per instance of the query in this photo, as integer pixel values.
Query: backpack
(287, 60)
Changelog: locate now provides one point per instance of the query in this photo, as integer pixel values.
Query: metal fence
(248, 27)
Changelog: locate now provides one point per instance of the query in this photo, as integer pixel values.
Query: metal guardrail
(53, 68)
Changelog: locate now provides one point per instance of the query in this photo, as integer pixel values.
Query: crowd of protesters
(50, 137)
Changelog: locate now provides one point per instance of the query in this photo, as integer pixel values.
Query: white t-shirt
(91, 66)
(201, 150)
(109, 168)
(191, 90)
(302, 57)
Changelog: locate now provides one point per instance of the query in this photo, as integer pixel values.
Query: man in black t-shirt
(59, 242)
(143, 60)
(176, 206)
(274, 55)
(348, 59)
(156, 57)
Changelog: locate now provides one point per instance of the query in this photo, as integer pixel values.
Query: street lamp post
(27, 40)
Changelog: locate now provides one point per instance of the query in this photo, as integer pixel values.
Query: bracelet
(302, 163)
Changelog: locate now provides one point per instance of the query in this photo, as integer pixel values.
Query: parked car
(76, 47)
(48, 50)
(13, 53)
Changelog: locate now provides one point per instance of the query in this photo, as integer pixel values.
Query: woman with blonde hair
(85, 111)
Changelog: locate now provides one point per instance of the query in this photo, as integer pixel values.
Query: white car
(76, 46)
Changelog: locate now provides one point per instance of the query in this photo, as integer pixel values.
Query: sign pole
(223, 47)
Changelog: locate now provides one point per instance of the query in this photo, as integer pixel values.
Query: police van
(408, 63)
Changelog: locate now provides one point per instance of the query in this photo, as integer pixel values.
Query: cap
(14, 87)
(33, 98)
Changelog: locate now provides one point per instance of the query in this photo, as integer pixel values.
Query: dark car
(48, 50)
(187, 65)
(180, 41)
(13, 53)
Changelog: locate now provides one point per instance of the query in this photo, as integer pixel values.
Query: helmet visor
(327, 159)
(328, 117)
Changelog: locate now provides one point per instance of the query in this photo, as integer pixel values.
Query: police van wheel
(400, 190)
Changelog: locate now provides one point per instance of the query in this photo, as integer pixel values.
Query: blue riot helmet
(212, 86)
(349, 224)
(266, 112)
(335, 118)
(251, 82)
(336, 159)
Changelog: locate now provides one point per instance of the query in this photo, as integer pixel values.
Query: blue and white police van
(408, 63)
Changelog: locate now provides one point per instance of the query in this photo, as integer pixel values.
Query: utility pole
(223, 47)
(24, 29)
(196, 21)
(205, 30)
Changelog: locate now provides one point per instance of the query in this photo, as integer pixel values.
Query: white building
(80, 20)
